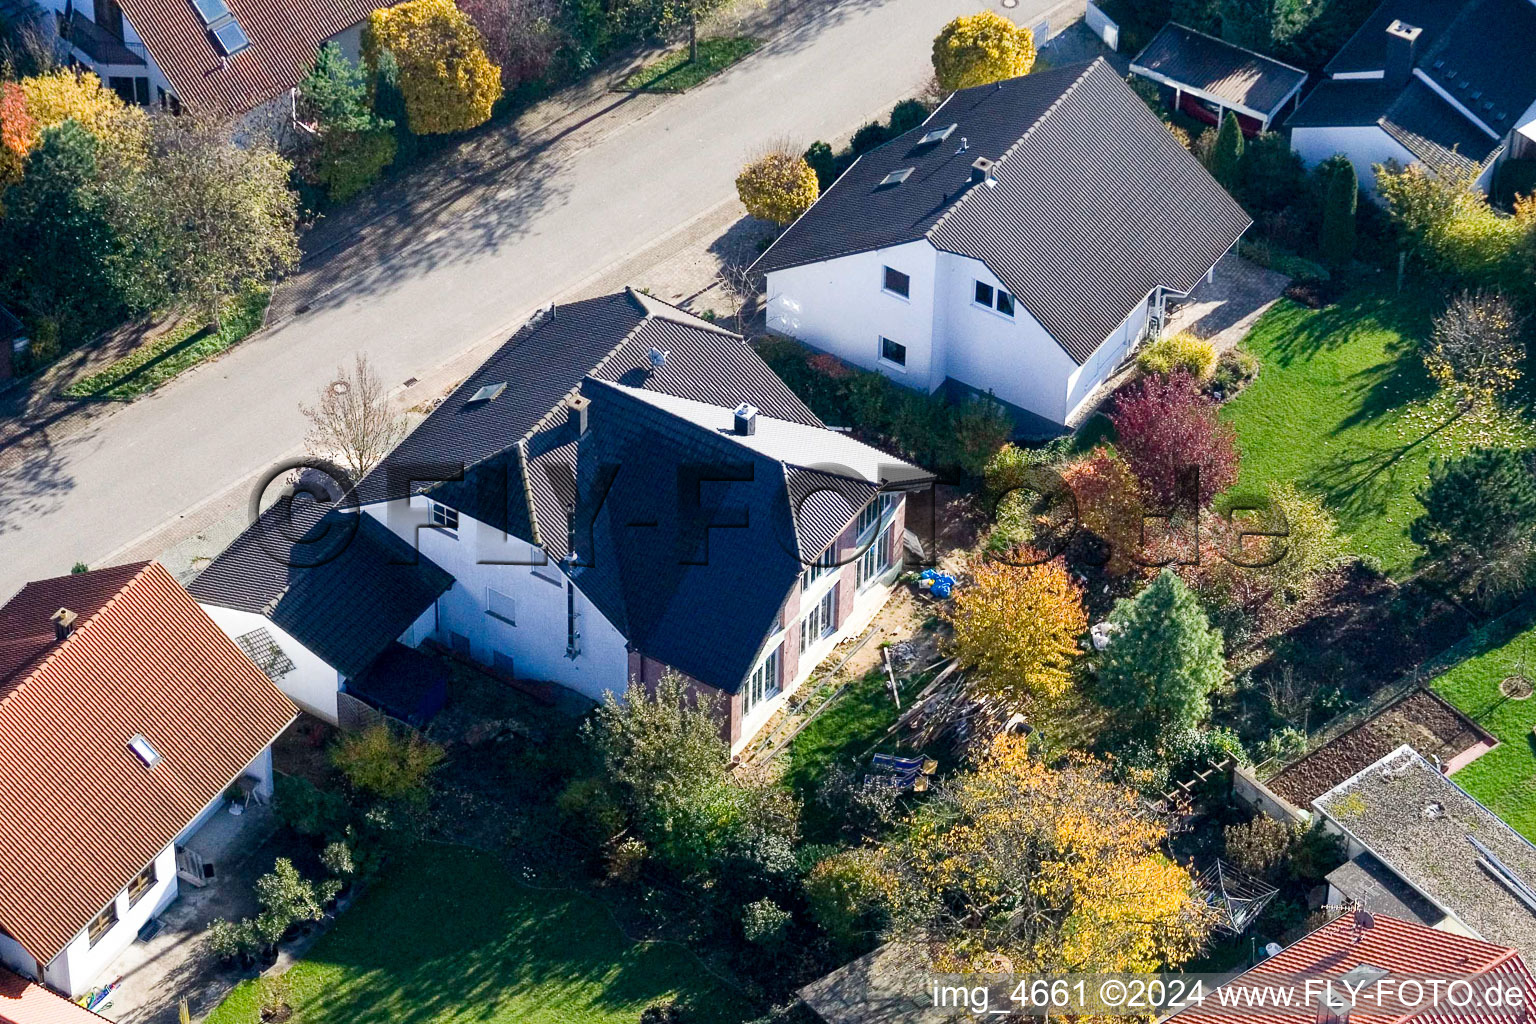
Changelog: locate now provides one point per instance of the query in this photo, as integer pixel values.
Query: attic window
(937, 135)
(146, 753)
(210, 10)
(229, 37)
(489, 393)
(896, 177)
(1363, 974)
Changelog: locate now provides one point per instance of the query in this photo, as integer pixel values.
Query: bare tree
(354, 420)
(1475, 347)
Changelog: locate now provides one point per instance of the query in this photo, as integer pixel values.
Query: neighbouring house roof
(25, 1002)
(1415, 117)
(1418, 823)
(1360, 940)
(1366, 50)
(337, 581)
(1095, 203)
(80, 813)
(889, 985)
(1237, 77)
(516, 452)
(700, 588)
(284, 36)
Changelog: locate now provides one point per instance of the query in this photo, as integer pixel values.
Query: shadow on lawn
(1363, 481)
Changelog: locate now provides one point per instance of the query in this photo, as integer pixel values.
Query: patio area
(173, 964)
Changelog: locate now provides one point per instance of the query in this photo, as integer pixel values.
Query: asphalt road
(559, 220)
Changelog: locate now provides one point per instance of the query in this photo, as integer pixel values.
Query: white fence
(1103, 26)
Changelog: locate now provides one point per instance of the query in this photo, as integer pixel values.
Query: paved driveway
(463, 280)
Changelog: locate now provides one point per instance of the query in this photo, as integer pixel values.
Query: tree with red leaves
(1168, 430)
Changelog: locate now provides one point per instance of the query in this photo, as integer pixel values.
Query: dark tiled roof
(1343, 104)
(702, 599)
(284, 35)
(1095, 203)
(339, 582)
(1218, 68)
(1484, 60)
(505, 445)
(1419, 120)
(80, 813)
(1367, 48)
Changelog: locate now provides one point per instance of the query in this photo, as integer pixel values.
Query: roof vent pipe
(965, 144)
(746, 419)
(576, 408)
(63, 623)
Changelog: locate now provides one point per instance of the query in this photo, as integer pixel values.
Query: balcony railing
(99, 45)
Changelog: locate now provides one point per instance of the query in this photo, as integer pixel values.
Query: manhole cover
(1516, 687)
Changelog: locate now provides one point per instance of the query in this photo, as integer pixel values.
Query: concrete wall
(482, 559)
(312, 684)
(1247, 788)
(80, 965)
(1365, 148)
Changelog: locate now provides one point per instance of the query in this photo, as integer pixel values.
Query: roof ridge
(1047, 112)
(533, 517)
(33, 668)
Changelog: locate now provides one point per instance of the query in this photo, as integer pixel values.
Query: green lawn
(450, 936)
(675, 72)
(1505, 777)
(1343, 408)
(175, 351)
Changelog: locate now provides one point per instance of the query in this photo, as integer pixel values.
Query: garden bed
(676, 73)
(1421, 720)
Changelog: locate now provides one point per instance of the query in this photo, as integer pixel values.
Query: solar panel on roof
(230, 37)
(210, 10)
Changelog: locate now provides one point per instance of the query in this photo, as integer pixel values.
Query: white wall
(536, 644)
(1107, 356)
(80, 965)
(840, 306)
(1365, 148)
(312, 684)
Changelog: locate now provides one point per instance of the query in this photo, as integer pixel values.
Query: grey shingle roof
(703, 598)
(1419, 120)
(1095, 203)
(1366, 50)
(339, 582)
(1217, 67)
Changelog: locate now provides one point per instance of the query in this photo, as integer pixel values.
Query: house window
(893, 352)
(444, 518)
(876, 560)
(500, 606)
(873, 512)
(141, 884)
(896, 281)
(764, 683)
(1004, 303)
(572, 632)
(984, 294)
(141, 91)
(825, 563)
(102, 923)
(994, 298)
(259, 646)
(123, 86)
(819, 621)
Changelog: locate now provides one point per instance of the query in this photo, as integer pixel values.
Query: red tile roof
(284, 34)
(23, 1002)
(80, 814)
(1398, 947)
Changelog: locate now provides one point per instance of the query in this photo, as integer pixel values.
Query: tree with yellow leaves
(979, 49)
(448, 82)
(51, 99)
(778, 186)
(1044, 869)
(1475, 349)
(1017, 627)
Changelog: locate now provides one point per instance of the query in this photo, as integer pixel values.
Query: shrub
(980, 427)
(1235, 368)
(590, 811)
(1182, 351)
(336, 858)
(228, 940)
(626, 860)
(448, 83)
(777, 187)
(1267, 254)
(863, 807)
(1018, 625)
(1109, 506)
(981, 48)
(764, 923)
(311, 811)
(1340, 197)
(1312, 543)
(289, 897)
(846, 894)
(1273, 177)
(1474, 348)
(381, 764)
(1445, 220)
(1479, 514)
(1153, 766)
(1227, 154)
(1171, 437)
(906, 115)
(1258, 846)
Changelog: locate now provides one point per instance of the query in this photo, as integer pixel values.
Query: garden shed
(1204, 77)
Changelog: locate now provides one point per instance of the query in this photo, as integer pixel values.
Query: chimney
(981, 171)
(746, 419)
(63, 623)
(1402, 44)
(576, 413)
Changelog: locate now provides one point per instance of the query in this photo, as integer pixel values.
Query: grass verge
(1343, 408)
(675, 72)
(1504, 778)
(175, 351)
(451, 936)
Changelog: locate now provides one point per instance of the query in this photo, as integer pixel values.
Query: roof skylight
(937, 135)
(489, 392)
(229, 37)
(146, 753)
(210, 10)
(896, 177)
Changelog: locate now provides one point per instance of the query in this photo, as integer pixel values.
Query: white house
(1440, 84)
(238, 58)
(606, 514)
(317, 596)
(1020, 242)
(127, 715)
